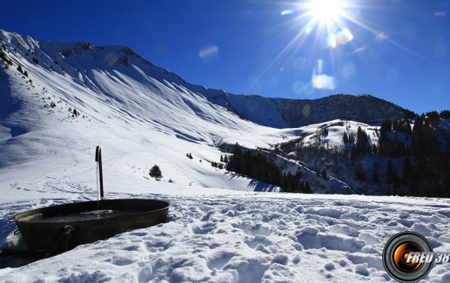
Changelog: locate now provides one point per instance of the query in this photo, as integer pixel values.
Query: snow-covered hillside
(139, 104)
(67, 98)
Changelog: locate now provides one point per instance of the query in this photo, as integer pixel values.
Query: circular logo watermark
(408, 257)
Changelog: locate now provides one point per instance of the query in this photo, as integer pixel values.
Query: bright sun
(326, 9)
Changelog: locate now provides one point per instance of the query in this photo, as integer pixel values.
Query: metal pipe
(98, 158)
(68, 230)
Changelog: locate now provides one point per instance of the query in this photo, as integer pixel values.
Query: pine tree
(19, 68)
(445, 114)
(406, 171)
(390, 172)
(156, 173)
(3, 56)
(375, 176)
(345, 137)
(351, 138)
(308, 189)
(353, 152)
(433, 117)
(360, 172)
(392, 175)
(324, 174)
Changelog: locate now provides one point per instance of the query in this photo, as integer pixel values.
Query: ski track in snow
(252, 238)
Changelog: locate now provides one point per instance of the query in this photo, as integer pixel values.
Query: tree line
(257, 166)
(426, 166)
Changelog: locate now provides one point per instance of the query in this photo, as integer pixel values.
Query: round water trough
(89, 221)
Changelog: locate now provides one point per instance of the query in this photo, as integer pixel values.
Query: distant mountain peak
(78, 48)
(79, 59)
(363, 108)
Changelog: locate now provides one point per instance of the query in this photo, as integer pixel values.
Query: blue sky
(397, 50)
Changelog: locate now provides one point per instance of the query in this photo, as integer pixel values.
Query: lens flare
(253, 105)
(287, 12)
(309, 89)
(332, 30)
(319, 65)
(392, 75)
(209, 54)
(308, 29)
(332, 41)
(344, 37)
(323, 81)
(298, 87)
(306, 111)
(348, 70)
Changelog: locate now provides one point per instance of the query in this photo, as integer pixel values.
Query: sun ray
(299, 39)
(381, 36)
(326, 10)
(328, 25)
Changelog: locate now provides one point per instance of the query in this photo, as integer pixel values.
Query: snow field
(254, 238)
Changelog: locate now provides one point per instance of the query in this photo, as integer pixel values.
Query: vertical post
(98, 158)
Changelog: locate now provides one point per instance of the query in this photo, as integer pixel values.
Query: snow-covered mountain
(60, 100)
(78, 60)
(106, 86)
(301, 112)
(102, 92)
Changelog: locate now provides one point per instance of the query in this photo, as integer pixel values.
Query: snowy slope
(319, 146)
(219, 230)
(138, 104)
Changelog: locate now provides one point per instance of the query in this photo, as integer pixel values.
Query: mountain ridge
(272, 112)
(54, 90)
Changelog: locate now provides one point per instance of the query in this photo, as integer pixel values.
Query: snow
(219, 229)
(250, 237)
